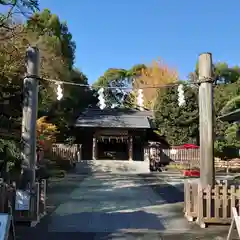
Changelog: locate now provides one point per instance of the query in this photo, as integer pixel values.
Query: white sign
(236, 222)
(22, 200)
(4, 225)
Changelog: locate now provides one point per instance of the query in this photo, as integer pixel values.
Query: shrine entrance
(112, 145)
(114, 148)
(117, 133)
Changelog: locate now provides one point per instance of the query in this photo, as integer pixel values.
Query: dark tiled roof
(231, 117)
(115, 118)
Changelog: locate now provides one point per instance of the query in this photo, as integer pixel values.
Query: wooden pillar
(130, 148)
(207, 176)
(79, 153)
(94, 148)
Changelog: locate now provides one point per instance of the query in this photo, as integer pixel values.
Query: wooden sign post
(7, 228)
(207, 176)
(236, 222)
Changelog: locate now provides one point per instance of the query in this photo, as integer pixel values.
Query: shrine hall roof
(115, 118)
(233, 116)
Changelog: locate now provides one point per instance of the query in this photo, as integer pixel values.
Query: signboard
(236, 222)
(111, 132)
(22, 201)
(5, 221)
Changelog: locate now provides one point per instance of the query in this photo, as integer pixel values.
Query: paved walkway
(114, 202)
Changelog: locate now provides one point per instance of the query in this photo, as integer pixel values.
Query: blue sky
(121, 33)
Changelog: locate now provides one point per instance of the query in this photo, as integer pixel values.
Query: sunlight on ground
(116, 201)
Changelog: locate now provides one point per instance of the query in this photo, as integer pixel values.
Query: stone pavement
(116, 200)
(113, 203)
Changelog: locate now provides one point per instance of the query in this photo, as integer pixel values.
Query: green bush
(10, 151)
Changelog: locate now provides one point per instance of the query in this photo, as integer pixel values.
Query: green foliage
(76, 99)
(12, 149)
(10, 152)
(56, 34)
(137, 70)
(178, 124)
(231, 135)
(226, 99)
(231, 105)
(225, 74)
(31, 5)
(52, 37)
(116, 78)
(23, 7)
(57, 56)
(228, 146)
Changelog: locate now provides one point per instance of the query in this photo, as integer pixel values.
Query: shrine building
(117, 134)
(231, 117)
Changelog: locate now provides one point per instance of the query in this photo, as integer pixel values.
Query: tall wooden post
(79, 153)
(130, 148)
(29, 116)
(94, 148)
(207, 176)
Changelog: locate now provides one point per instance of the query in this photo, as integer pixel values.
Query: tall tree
(57, 57)
(58, 36)
(139, 76)
(157, 74)
(12, 57)
(23, 7)
(224, 74)
(10, 93)
(116, 80)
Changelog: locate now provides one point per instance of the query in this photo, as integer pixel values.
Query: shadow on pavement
(58, 191)
(119, 223)
(168, 192)
(138, 223)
